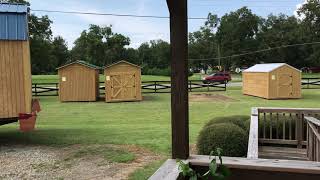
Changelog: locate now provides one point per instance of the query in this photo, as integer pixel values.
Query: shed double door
(122, 86)
(285, 85)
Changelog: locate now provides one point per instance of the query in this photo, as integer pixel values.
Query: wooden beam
(179, 78)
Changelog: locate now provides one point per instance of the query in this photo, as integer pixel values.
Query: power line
(255, 52)
(112, 14)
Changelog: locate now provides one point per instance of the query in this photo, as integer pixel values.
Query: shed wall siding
(123, 68)
(15, 78)
(80, 85)
(256, 84)
(274, 84)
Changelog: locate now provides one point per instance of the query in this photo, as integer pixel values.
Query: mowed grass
(145, 123)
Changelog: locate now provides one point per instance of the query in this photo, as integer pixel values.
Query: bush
(239, 120)
(159, 72)
(156, 71)
(231, 138)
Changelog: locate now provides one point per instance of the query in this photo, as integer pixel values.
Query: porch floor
(269, 152)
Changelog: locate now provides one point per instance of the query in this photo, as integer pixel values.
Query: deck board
(269, 152)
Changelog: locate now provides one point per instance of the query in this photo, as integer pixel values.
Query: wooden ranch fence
(52, 89)
(311, 83)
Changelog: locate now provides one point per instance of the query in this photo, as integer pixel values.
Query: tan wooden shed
(15, 68)
(272, 81)
(123, 82)
(78, 82)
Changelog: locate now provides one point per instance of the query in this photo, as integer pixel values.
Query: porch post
(179, 78)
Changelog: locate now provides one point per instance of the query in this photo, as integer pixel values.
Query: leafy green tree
(60, 51)
(203, 44)
(282, 30)
(236, 35)
(100, 46)
(310, 15)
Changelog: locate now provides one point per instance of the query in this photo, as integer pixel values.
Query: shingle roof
(267, 67)
(122, 61)
(84, 63)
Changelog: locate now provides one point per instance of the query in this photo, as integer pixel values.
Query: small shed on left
(78, 82)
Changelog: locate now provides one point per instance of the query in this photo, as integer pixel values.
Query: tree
(282, 30)
(236, 35)
(60, 51)
(310, 15)
(203, 44)
(17, 1)
(100, 46)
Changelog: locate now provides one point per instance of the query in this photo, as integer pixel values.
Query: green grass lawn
(146, 123)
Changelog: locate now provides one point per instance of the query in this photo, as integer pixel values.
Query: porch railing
(285, 127)
(313, 138)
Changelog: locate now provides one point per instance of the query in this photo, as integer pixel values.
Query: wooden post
(179, 78)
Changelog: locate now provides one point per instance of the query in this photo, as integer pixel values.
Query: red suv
(219, 77)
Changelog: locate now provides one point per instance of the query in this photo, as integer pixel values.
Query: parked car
(314, 70)
(219, 77)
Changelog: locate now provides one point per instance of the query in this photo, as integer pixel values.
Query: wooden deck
(269, 152)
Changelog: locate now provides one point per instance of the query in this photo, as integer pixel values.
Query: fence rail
(52, 89)
(310, 83)
(284, 125)
(313, 139)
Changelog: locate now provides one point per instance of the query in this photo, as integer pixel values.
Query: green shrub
(239, 120)
(159, 72)
(229, 137)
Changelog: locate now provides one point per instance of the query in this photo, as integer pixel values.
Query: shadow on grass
(51, 137)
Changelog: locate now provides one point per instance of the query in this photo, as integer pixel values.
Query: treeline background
(216, 43)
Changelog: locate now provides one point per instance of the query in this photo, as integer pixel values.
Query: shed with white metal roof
(272, 81)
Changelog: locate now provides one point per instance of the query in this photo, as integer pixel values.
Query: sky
(140, 30)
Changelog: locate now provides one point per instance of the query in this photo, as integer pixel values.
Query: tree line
(225, 41)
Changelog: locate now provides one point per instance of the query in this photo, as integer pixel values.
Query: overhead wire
(112, 14)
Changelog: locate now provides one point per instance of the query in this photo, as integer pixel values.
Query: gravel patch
(42, 162)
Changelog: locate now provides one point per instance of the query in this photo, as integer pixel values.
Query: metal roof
(122, 61)
(13, 8)
(81, 63)
(13, 22)
(267, 67)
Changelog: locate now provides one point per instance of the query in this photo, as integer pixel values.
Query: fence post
(58, 89)
(190, 86)
(225, 85)
(155, 86)
(300, 129)
(308, 83)
(35, 89)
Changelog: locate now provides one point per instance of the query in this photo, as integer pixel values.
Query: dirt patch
(210, 97)
(42, 162)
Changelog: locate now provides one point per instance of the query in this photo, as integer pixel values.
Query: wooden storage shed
(15, 68)
(78, 82)
(272, 81)
(123, 82)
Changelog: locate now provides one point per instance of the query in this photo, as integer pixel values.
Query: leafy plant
(217, 171)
